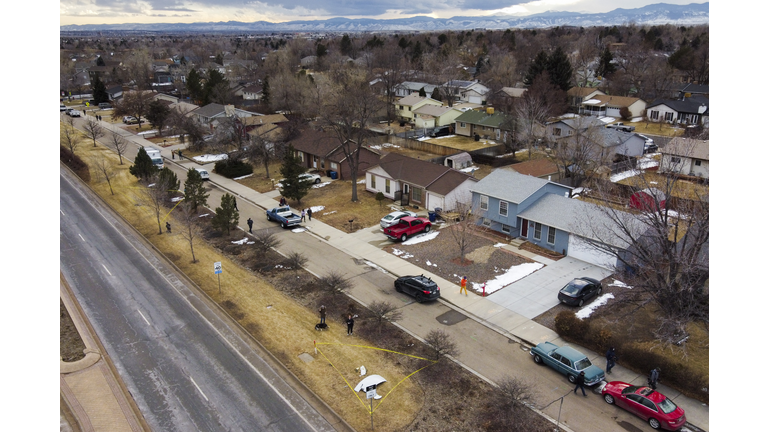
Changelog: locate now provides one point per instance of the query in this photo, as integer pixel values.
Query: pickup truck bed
(284, 215)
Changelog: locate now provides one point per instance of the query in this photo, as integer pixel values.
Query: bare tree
(335, 282)
(153, 197)
(442, 343)
(119, 144)
(266, 240)
(105, 171)
(297, 259)
(69, 137)
(190, 221)
(134, 103)
(384, 311)
(581, 154)
(509, 409)
(461, 231)
(93, 130)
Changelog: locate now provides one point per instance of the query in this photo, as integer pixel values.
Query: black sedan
(579, 290)
(420, 287)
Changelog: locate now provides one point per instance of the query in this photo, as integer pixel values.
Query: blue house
(542, 213)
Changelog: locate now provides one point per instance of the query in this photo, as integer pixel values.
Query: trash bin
(432, 216)
(333, 175)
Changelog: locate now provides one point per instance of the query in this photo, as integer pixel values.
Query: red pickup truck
(408, 226)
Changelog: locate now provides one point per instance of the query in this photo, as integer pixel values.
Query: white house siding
(381, 183)
(475, 99)
(662, 113)
(700, 171)
(422, 122)
(434, 201)
(461, 193)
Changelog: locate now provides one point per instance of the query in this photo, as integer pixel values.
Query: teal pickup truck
(284, 215)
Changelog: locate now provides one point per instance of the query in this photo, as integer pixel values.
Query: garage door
(578, 248)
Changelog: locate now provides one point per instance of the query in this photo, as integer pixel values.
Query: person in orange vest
(464, 286)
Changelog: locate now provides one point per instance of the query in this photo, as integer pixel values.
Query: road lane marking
(145, 318)
(81, 237)
(105, 268)
(198, 388)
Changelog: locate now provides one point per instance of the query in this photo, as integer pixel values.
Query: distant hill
(656, 14)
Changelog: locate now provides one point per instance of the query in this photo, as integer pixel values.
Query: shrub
(566, 324)
(231, 169)
(74, 163)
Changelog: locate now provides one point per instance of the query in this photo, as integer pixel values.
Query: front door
(523, 227)
(314, 161)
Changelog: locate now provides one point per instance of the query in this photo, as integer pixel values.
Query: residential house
(487, 124)
(253, 92)
(686, 156)
(257, 121)
(540, 212)
(542, 168)
(115, 92)
(691, 111)
(611, 106)
(322, 151)
(585, 134)
(566, 127)
(429, 116)
(407, 88)
(208, 114)
(418, 182)
(308, 61)
(406, 106)
(466, 91)
(577, 95)
(507, 97)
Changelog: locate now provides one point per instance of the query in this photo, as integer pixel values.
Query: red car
(648, 404)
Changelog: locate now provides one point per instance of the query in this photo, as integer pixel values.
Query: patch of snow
(243, 241)
(327, 213)
(147, 132)
(298, 230)
(204, 215)
(398, 252)
(361, 182)
(370, 264)
(151, 185)
(430, 264)
(646, 163)
(514, 274)
(385, 145)
(587, 311)
(569, 115)
(316, 209)
(319, 185)
(421, 238)
(618, 283)
(607, 120)
(176, 199)
(636, 119)
(469, 169)
(209, 158)
(624, 175)
(499, 245)
(242, 177)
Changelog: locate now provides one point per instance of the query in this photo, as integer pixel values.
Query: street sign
(370, 394)
(217, 268)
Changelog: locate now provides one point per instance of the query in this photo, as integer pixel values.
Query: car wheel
(608, 398)
(654, 423)
(420, 298)
(317, 181)
(572, 379)
(427, 228)
(537, 359)
(284, 225)
(581, 302)
(398, 288)
(404, 237)
(599, 291)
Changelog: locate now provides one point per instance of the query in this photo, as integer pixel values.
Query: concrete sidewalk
(493, 314)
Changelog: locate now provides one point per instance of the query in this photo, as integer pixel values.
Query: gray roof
(691, 105)
(210, 110)
(583, 219)
(509, 185)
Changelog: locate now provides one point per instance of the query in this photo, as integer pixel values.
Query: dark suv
(441, 131)
(579, 290)
(420, 287)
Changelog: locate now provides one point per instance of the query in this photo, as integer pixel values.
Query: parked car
(421, 287)
(73, 113)
(284, 216)
(394, 217)
(62, 107)
(441, 131)
(579, 290)
(130, 120)
(311, 177)
(408, 227)
(621, 126)
(650, 405)
(567, 361)
(105, 105)
(203, 174)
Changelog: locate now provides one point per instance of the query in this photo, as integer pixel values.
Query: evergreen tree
(194, 85)
(536, 67)
(265, 91)
(346, 45)
(158, 114)
(142, 167)
(422, 92)
(99, 90)
(417, 51)
(436, 94)
(226, 217)
(606, 68)
(194, 191)
(215, 87)
(560, 70)
(100, 62)
(293, 188)
(168, 181)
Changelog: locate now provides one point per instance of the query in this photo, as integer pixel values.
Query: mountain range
(655, 14)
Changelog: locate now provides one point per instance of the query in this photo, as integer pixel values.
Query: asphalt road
(185, 368)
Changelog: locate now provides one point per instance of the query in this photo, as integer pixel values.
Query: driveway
(537, 293)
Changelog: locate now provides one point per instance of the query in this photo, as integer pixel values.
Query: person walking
(282, 201)
(580, 384)
(168, 227)
(464, 286)
(303, 214)
(610, 359)
(309, 213)
(322, 314)
(653, 377)
(235, 200)
(250, 225)
(350, 323)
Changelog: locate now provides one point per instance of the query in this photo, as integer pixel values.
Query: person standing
(168, 227)
(580, 384)
(653, 378)
(235, 201)
(303, 214)
(322, 314)
(309, 213)
(250, 225)
(282, 201)
(464, 286)
(350, 324)
(610, 359)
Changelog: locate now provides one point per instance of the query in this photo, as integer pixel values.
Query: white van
(157, 159)
(203, 174)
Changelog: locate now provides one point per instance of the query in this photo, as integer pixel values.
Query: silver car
(394, 217)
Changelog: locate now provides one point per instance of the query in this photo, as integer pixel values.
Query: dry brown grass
(682, 188)
(279, 323)
(661, 128)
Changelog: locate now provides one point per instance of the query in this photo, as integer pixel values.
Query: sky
(188, 11)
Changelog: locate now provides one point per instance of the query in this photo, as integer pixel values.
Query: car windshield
(388, 217)
(629, 390)
(667, 406)
(573, 287)
(583, 364)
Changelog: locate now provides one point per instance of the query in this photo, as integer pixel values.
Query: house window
(386, 185)
(373, 181)
(675, 159)
(537, 231)
(697, 163)
(486, 222)
(416, 194)
(503, 208)
(668, 116)
(551, 235)
(506, 229)
(299, 155)
(483, 202)
(654, 115)
(557, 132)
(462, 124)
(334, 166)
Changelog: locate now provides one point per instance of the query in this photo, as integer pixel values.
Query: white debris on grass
(587, 311)
(327, 213)
(618, 283)
(370, 264)
(319, 185)
(514, 274)
(176, 199)
(398, 252)
(209, 158)
(242, 177)
(421, 238)
(243, 241)
(430, 264)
